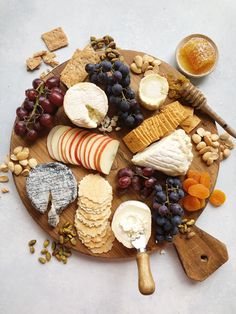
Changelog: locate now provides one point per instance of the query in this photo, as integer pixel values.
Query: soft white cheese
(131, 219)
(86, 105)
(172, 155)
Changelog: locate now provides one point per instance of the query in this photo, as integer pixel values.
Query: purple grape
(145, 192)
(168, 238)
(125, 83)
(117, 76)
(130, 121)
(106, 66)
(167, 226)
(174, 231)
(173, 197)
(176, 220)
(176, 209)
(149, 183)
(117, 89)
(148, 171)
(121, 191)
(158, 188)
(20, 128)
(31, 94)
(46, 120)
(163, 210)
(89, 68)
(138, 170)
(117, 64)
(124, 69)
(181, 193)
(136, 183)
(170, 181)
(156, 205)
(102, 78)
(177, 183)
(21, 113)
(56, 99)
(161, 197)
(124, 105)
(159, 230)
(160, 221)
(139, 118)
(160, 238)
(125, 172)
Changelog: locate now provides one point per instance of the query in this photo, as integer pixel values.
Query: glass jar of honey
(197, 55)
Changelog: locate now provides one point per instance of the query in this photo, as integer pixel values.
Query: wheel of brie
(153, 90)
(86, 105)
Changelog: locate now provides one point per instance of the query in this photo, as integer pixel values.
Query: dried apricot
(217, 198)
(188, 182)
(199, 191)
(191, 203)
(205, 179)
(194, 175)
(202, 203)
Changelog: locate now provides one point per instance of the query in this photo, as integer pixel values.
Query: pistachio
(32, 242)
(32, 249)
(111, 55)
(32, 162)
(135, 69)
(22, 155)
(201, 132)
(73, 241)
(112, 45)
(4, 168)
(25, 173)
(54, 245)
(92, 38)
(196, 138)
(46, 243)
(226, 153)
(4, 179)
(61, 239)
(138, 60)
(48, 256)
(200, 145)
(205, 150)
(17, 149)
(190, 222)
(11, 166)
(14, 157)
(23, 162)
(114, 60)
(17, 169)
(44, 251)
(122, 59)
(42, 260)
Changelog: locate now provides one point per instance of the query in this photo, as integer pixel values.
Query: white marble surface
(87, 285)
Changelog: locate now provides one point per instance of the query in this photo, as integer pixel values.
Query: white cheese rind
(127, 212)
(85, 104)
(172, 155)
(153, 90)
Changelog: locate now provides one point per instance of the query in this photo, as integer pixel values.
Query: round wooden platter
(39, 151)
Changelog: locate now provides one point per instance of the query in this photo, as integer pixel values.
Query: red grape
(28, 105)
(32, 135)
(124, 182)
(21, 113)
(138, 170)
(41, 99)
(57, 89)
(36, 82)
(48, 107)
(121, 191)
(125, 172)
(20, 128)
(149, 183)
(46, 120)
(148, 171)
(136, 183)
(145, 192)
(56, 99)
(31, 94)
(37, 126)
(52, 82)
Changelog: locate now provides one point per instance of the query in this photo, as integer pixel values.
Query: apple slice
(55, 139)
(67, 143)
(107, 155)
(71, 145)
(99, 151)
(92, 151)
(82, 155)
(87, 149)
(49, 140)
(78, 145)
(60, 144)
(74, 146)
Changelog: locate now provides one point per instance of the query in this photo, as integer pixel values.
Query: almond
(224, 136)
(226, 153)
(196, 138)
(201, 132)
(17, 169)
(214, 137)
(33, 162)
(11, 166)
(22, 155)
(135, 69)
(145, 66)
(207, 140)
(206, 156)
(17, 150)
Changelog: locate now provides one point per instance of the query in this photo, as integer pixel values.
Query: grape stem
(40, 89)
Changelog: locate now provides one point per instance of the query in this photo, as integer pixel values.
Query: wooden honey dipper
(197, 100)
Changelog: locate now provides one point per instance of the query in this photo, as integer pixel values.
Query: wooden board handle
(201, 255)
(145, 281)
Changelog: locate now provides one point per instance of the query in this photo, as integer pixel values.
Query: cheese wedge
(172, 155)
(153, 90)
(86, 105)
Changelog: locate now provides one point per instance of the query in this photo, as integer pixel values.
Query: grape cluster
(141, 180)
(167, 213)
(40, 104)
(115, 81)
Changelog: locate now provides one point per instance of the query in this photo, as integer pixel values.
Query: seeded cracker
(74, 72)
(33, 63)
(55, 39)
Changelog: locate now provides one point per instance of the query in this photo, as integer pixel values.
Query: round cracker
(95, 216)
(106, 247)
(85, 230)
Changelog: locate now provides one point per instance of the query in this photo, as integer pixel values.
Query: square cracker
(74, 72)
(194, 123)
(55, 39)
(33, 63)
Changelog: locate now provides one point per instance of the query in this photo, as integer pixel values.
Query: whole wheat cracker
(33, 63)
(55, 39)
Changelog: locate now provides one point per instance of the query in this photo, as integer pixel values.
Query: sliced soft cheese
(153, 90)
(131, 219)
(172, 155)
(86, 105)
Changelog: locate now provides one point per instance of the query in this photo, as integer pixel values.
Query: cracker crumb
(48, 59)
(4, 190)
(33, 63)
(39, 53)
(55, 39)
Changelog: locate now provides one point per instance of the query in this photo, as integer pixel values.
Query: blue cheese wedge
(51, 183)
(172, 155)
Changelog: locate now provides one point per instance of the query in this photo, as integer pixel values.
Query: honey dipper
(197, 100)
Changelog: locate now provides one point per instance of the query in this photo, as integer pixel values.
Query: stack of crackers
(158, 126)
(94, 210)
(74, 72)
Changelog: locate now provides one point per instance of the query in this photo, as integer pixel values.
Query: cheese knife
(145, 280)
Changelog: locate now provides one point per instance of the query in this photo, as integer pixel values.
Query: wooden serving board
(39, 151)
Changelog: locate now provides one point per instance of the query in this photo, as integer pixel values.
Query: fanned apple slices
(81, 147)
